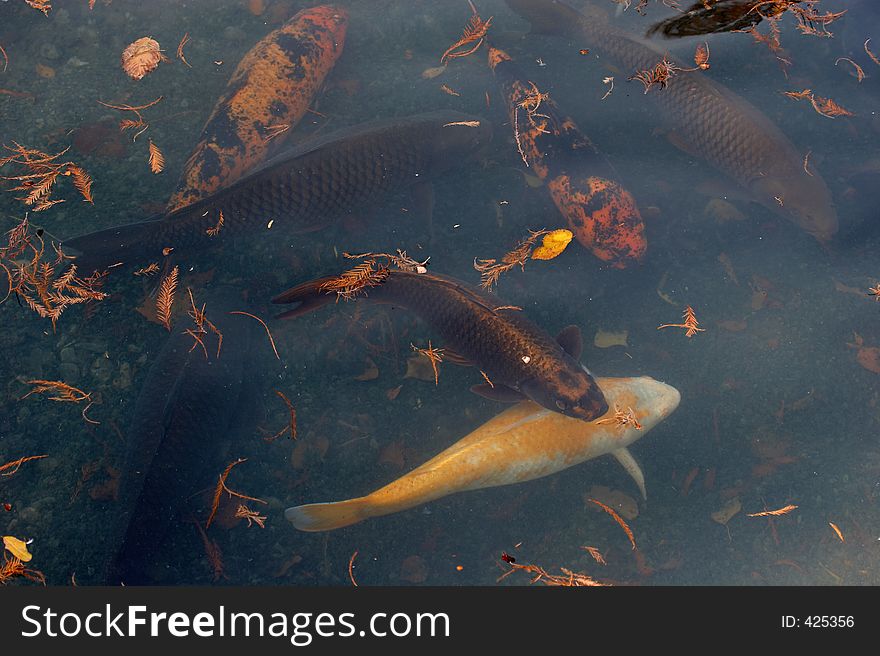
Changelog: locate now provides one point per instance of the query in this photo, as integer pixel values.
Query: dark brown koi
(306, 188)
(602, 214)
(273, 86)
(718, 16)
(709, 121)
(520, 358)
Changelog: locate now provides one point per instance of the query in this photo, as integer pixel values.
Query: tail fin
(104, 247)
(546, 16)
(327, 516)
(309, 295)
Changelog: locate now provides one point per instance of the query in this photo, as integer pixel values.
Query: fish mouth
(595, 409)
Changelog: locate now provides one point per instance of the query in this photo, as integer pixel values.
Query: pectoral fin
(498, 393)
(626, 460)
(571, 341)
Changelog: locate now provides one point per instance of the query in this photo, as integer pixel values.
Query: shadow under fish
(303, 189)
(188, 409)
(521, 360)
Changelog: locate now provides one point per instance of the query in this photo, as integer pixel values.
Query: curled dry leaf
(141, 57)
(554, 243)
(17, 548)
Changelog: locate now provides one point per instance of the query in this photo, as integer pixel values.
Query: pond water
(779, 397)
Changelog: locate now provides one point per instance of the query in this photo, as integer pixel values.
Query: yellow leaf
(554, 243)
(17, 548)
(606, 339)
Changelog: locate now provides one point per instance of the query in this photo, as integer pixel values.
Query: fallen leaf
(394, 392)
(759, 299)
(282, 570)
(430, 73)
(371, 371)
(419, 367)
(727, 512)
(607, 339)
(554, 243)
(733, 326)
(721, 211)
(393, 454)
(17, 548)
(414, 569)
(869, 358)
(141, 57)
(622, 503)
(845, 289)
(46, 72)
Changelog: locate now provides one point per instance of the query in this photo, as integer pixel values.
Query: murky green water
(775, 408)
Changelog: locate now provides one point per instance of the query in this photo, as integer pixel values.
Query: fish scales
(500, 340)
(740, 144)
(602, 213)
(325, 183)
(272, 87)
(518, 356)
(306, 188)
(708, 121)
(521, 444)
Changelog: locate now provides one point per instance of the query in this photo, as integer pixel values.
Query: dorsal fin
(571, 341)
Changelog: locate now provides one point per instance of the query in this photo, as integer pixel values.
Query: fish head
(331, 19)
(570, 391)
(649, 400)
(458, 137)
(803, 200)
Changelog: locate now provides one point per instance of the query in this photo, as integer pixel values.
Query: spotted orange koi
(601, 213)
(272, 87)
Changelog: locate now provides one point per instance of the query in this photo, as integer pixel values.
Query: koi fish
(708, 121)
(521, 444)
(520, 359)
(720, 16)
(272, 87)
(186, 408)
(601, 213)
(305, 188)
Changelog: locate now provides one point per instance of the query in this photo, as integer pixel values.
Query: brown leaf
(414, 569)
(371, 371)
(141, 57)
(157, 159)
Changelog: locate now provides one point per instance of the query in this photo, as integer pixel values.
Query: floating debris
(142, 57)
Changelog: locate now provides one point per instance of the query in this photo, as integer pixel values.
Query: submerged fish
(708, 121)
(719, 16)
(520, 359)
(186, 411)
(521, 444)
(270, 90)
(306, 188)
(602, 214)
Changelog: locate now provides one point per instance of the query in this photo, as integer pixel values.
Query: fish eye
(561, 405)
